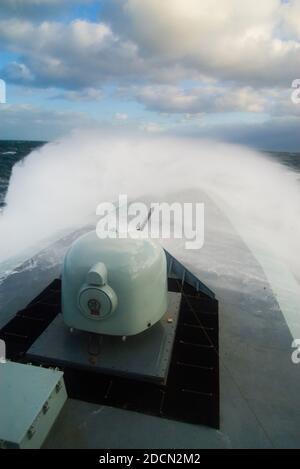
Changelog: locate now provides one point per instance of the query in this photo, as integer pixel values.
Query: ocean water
(12, 151)
(292, 160)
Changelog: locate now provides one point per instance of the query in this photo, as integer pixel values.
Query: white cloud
(243, 55)
(163, 42)
(78, 54)
(208, 99)
(151, 127)
(49, 36)
(121, 116)
(231, 39)
(291, 17)
(216, 99)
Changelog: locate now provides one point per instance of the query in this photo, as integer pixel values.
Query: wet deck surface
(260, 386)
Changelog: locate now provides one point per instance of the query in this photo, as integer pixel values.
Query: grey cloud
(36, 9)
(17, 73)
(277, 134)
(27, 122)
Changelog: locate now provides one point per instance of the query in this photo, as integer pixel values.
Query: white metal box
(31, 398)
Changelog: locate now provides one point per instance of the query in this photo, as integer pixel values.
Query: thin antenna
(141, 226)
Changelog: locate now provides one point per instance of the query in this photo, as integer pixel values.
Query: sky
(220, 69)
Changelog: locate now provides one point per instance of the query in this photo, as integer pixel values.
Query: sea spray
(60, 185)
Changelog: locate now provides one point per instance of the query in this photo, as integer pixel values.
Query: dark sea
(13, 151)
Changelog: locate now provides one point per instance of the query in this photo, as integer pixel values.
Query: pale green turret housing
(114, 286)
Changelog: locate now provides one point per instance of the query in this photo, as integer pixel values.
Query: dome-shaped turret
(114, 286)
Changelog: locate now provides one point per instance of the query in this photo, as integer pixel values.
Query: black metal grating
(191, 393)
(28, 324)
